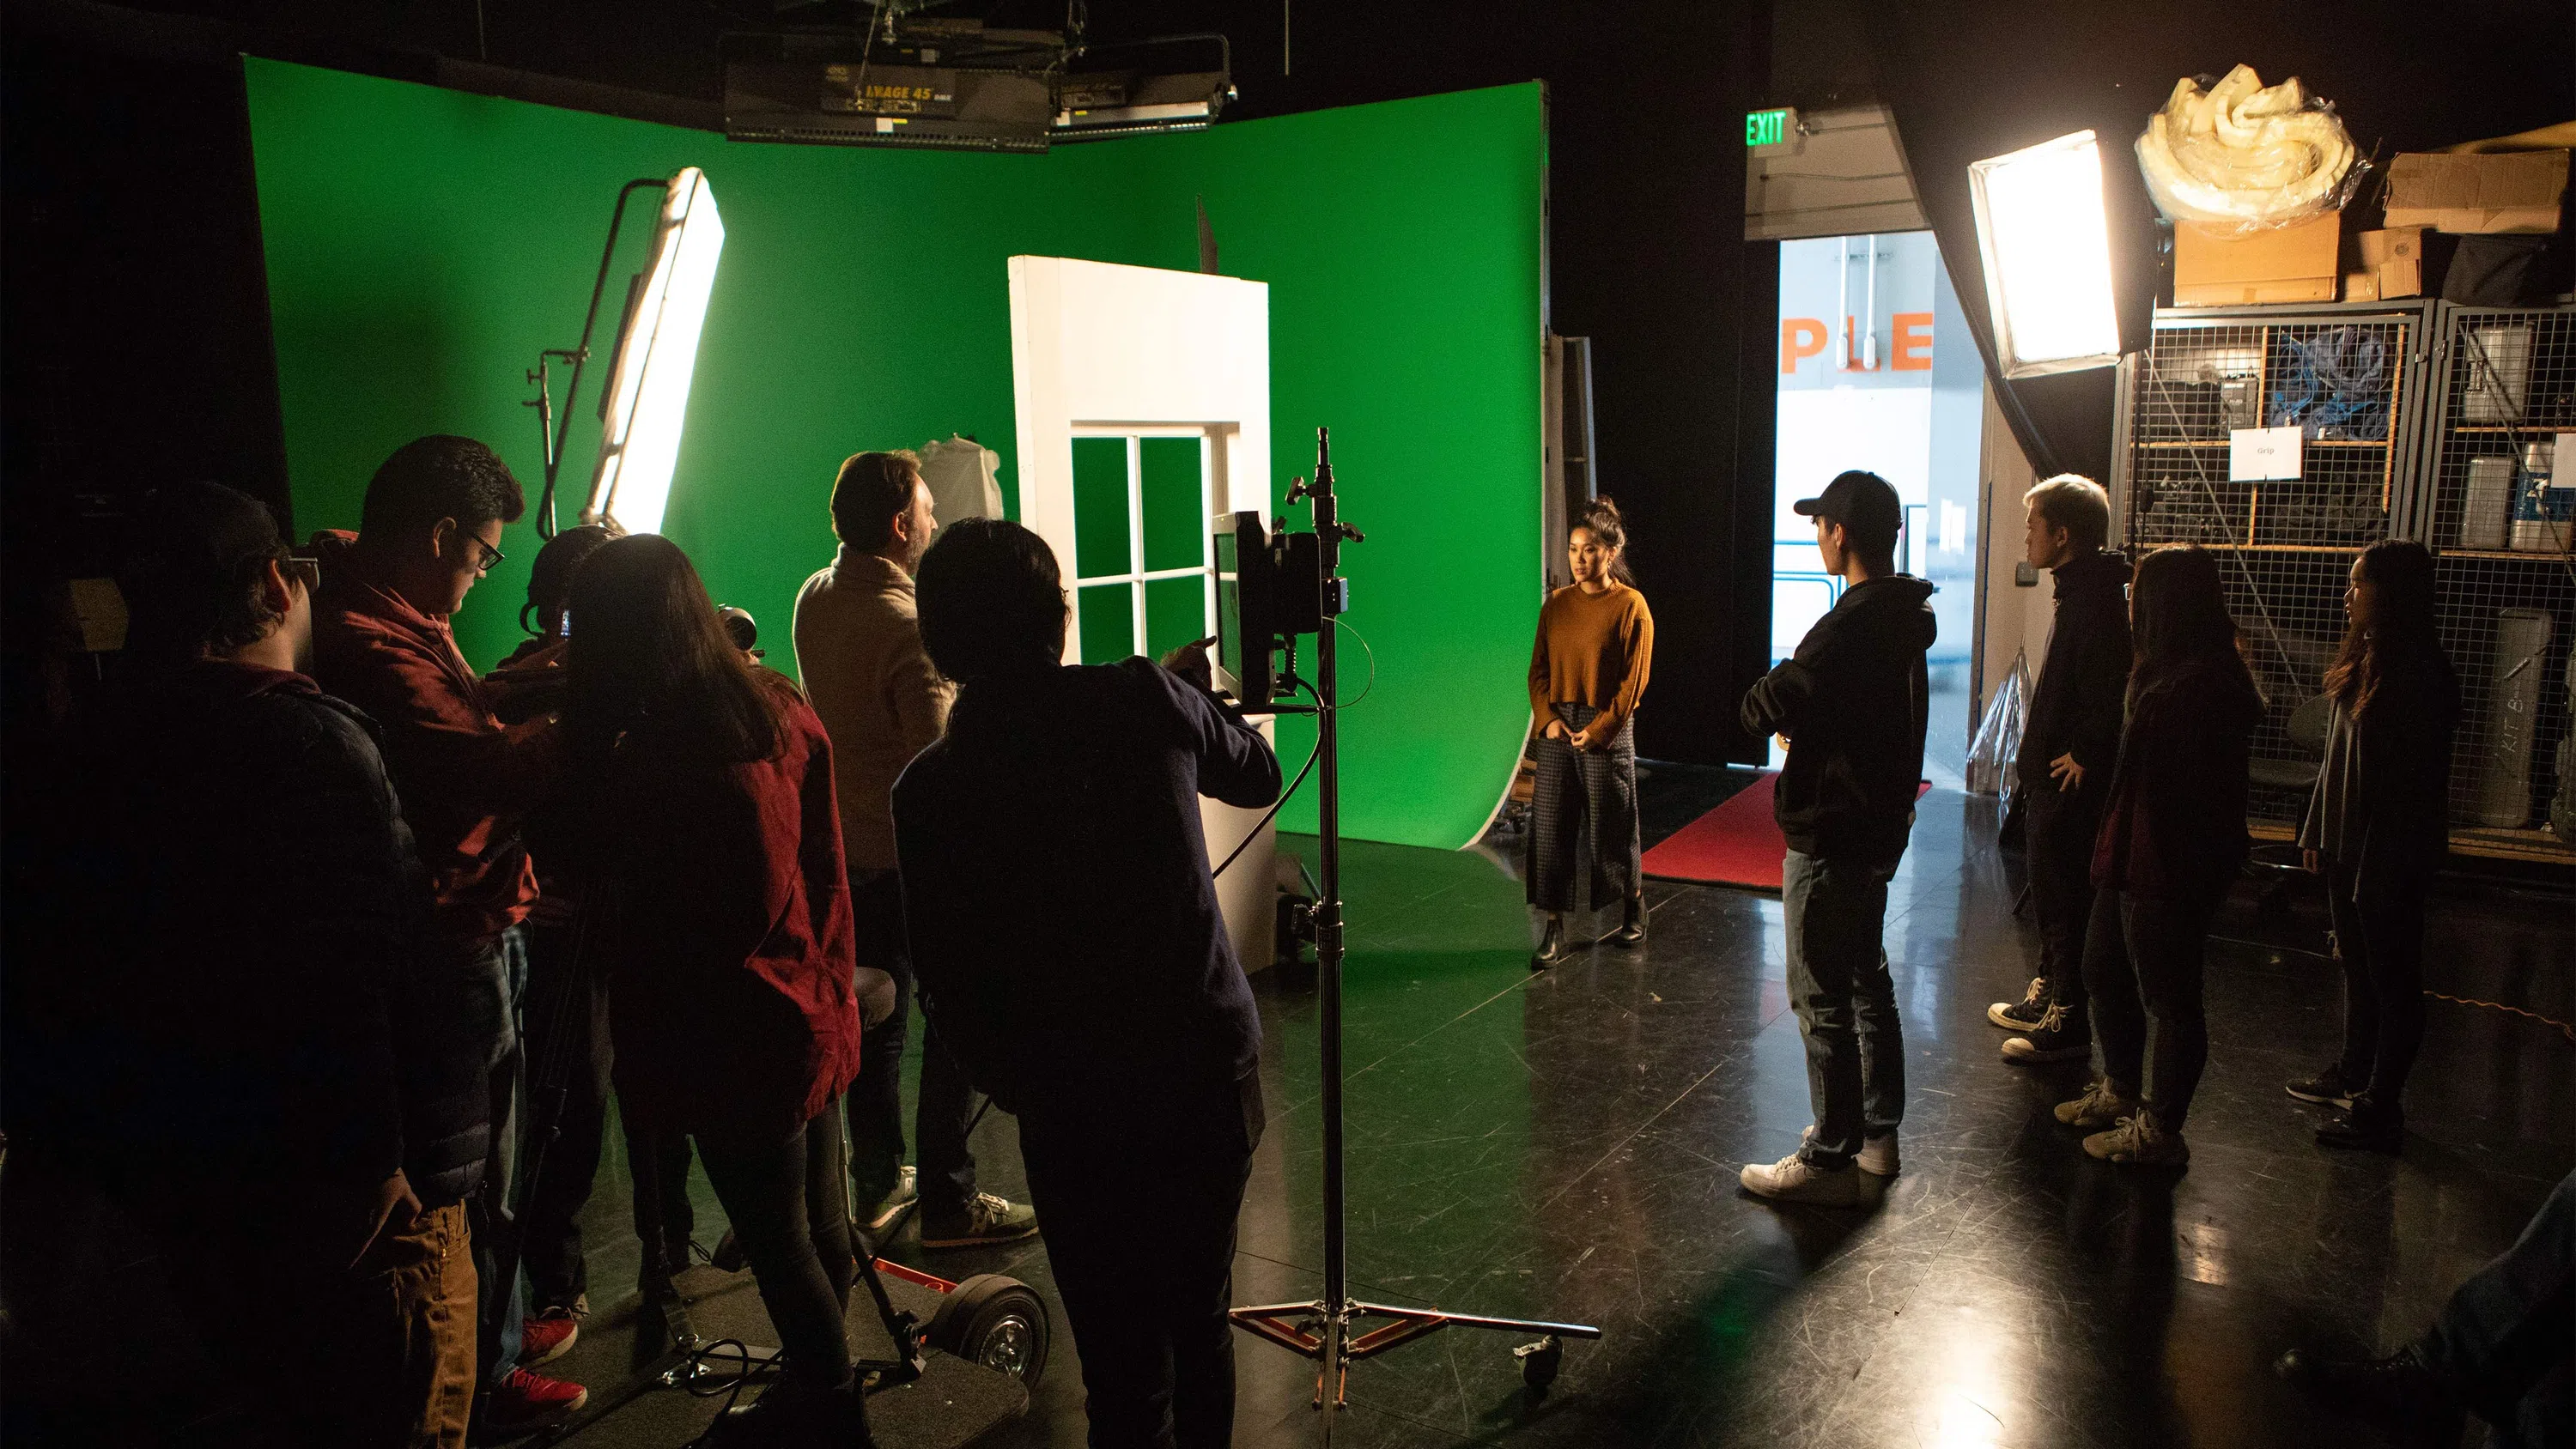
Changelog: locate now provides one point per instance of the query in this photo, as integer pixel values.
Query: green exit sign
(1766, 128)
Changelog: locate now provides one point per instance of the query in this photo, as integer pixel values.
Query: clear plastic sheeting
(1991, 755)
(2241, 156)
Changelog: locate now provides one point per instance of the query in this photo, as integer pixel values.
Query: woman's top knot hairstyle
(550, 577)
(1601, 519)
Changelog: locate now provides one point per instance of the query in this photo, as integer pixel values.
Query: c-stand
(1323, 1330)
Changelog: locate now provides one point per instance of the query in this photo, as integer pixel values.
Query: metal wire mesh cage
(2349, 379)
(2506, 387)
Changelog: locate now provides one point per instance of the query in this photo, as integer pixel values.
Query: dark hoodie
(227, 987)
(2077, 706)
(1065, 929)
(1852, 701)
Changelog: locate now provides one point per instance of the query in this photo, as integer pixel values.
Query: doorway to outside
(1877, 372)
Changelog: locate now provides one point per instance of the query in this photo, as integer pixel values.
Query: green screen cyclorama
(423, 244)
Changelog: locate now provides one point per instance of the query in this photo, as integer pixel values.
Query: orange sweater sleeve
(1636, 634)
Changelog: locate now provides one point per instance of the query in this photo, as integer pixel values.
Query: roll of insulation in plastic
(2513, 718)
(2242, 155)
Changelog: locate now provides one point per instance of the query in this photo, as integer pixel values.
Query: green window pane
(1176, 520)
(1108, 622)
(1099, 510)
(1175, 613)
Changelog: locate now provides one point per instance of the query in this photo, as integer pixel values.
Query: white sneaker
(1792, 1180)
(907, 1192)
(1877, 1154)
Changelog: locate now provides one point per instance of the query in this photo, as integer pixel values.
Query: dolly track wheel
(996, 1321)
(1540, 1361)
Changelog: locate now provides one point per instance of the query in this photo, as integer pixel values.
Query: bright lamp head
(2047, 249)
(657, 350)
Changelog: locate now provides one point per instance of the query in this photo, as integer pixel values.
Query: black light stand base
(1308, 1330)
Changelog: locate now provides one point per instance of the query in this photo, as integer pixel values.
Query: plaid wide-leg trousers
(1575, 788)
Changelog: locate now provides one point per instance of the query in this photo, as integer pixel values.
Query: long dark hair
(2179, 621)
(650, 656)
(2402, 648)
(1601, 520)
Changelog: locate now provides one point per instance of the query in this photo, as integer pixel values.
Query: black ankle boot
(1551, 945)
(2397, 1392)
(2365, 1126)
(1632, 924)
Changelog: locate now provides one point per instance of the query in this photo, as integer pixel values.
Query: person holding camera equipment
(234, 1037)
(712, 886)
(1596, 643)
(1067, 940)
(1851, 706)
(2378, 827)
(858, 649)
(429, 530)
(567, 1018)
(2067, 749)
(2172, 840)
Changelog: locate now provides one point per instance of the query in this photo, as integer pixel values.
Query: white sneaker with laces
(2102, 1105)
(2024, 1014)
(1791, 1179)
(1877, 1154)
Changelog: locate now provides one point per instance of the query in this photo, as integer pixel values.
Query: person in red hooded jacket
(430, 528)
(712, 883)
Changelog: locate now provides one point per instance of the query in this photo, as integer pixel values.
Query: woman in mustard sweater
(1595, 641)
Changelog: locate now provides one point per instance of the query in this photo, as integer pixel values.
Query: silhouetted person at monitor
(1066, 939)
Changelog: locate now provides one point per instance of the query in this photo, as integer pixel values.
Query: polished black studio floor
(1565, 1145)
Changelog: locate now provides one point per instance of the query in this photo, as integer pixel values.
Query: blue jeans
(504, 963)
(2503, 1342)
(1845, 1000)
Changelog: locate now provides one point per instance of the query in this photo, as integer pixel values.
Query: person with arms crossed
(1851, 706)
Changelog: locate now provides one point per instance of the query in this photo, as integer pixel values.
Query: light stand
(551, 434)
(1324, 1330)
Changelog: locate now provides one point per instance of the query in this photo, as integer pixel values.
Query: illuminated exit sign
(1771, 132)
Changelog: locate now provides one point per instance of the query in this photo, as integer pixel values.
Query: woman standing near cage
(2171, 842)
(1596, 639)
(2377, 828)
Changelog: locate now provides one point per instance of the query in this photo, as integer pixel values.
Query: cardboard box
(2395, 261)
(2361, 286)
(2506, 191)
(2294, 263)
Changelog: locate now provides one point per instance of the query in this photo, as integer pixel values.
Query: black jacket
(2402, 758)
(2077, 706)
(1063, 923)
(1852, 701)
(2173, 826)
(217, 973)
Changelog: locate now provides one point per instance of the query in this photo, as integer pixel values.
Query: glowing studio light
(2047, 250)
(657, 350)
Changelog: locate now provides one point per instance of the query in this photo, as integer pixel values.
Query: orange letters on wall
(1799, 337)
(1911, 349)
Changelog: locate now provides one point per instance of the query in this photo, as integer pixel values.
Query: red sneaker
(526, 1401)
(545, 1337)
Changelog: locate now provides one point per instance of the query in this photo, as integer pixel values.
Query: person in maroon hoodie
(430, 528)
(222, 1038)
(2171, 842)
(711, 881)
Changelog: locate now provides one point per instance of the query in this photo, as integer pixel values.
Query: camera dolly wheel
(996, 1321)
(1540, 1361)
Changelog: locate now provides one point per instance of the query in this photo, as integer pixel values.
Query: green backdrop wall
(423, 244)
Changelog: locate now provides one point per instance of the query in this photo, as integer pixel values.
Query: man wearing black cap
(231, 1051)
(1850, 707)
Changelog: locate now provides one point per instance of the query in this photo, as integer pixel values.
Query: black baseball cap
(1863, 503)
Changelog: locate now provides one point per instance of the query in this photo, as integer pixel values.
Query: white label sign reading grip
(2260, 455)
